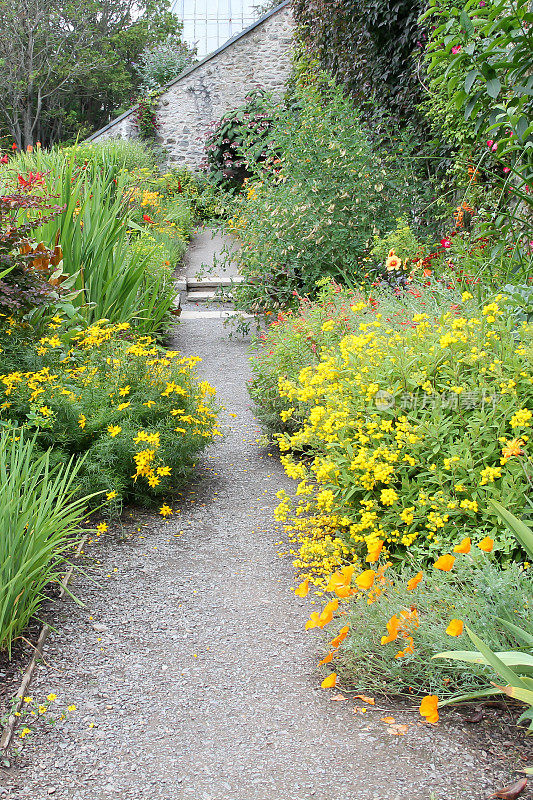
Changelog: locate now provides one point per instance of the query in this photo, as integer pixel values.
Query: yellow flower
(82, 421)
(52, 697)
(45, 411)
(124, 391)
(521, 419)
(113, 430)
(111, 495)
(71, 708)
(165, 510)
(122, 406)
(101, 527)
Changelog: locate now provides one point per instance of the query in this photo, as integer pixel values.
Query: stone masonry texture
(259, 59)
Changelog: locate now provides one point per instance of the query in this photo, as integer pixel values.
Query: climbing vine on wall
(371, 46)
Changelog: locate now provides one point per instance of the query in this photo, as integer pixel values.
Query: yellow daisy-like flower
(122, 406)
(165, 510)
(111, 495)
(82, 421)
(51, 697)
(101, 527)
(113, 430)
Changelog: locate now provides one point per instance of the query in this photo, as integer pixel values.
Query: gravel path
(190, 668)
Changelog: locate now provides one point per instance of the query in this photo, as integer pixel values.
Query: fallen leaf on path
(397, 730)
(388, 720)
(365, 699)
(338, 697)
(510, 792)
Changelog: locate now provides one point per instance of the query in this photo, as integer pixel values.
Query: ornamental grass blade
(518, 528)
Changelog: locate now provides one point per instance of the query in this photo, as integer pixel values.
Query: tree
(65, 67)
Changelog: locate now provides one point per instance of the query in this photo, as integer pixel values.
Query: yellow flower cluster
(401, 435)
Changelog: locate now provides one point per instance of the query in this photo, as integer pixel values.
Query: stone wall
(260, 57)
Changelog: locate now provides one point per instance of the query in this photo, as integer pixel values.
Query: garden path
(189, 665)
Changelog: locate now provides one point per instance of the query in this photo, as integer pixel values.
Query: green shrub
(136, 412)
(39, 524)
(314, 212)
(475, 592)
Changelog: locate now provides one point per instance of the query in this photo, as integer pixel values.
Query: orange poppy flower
(428, 708)
(374, 551)
(393, 626)
(365, 579)
(413, 583)
(303, 589)
(464, 547)
(331, 606)
(313, 621)
(344, 591)
(455, 628)
(347, 572)
(486, 544)
(326, 615)
(326, 659)
(330, 681)
(337, 580)
(445, 563)
(340, 637)
(410, 648)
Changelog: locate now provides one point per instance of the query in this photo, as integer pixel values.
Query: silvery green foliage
(161, 64)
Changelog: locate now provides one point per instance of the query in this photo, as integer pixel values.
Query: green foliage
(474, 593)
(40, 522)
(313, 211)
(136, 413)
(514, 667)
(227, 145)
(370, 46)
(161, 63)
(402, 240)
(481, 59)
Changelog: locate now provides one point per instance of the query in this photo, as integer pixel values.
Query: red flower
(179, 187)
(147, 218)
(445, 243)
(13, 146)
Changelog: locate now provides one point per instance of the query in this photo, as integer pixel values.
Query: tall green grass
(39, 523)
(95, 234)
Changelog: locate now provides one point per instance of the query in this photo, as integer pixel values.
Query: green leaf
(466, 23)
(519, 529)
(493, 87)
(510, 658)
(470, 78)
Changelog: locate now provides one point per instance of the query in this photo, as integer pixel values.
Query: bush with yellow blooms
(135, 414)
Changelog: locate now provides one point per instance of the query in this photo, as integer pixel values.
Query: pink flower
(490, 143)
(456, 49)
(494, 147)
(445, 243)
(506, 170)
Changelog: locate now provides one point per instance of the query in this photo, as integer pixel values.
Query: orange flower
(344, 591)
(313, 621)
(393, 262)
(326, 615)
(410, 648)
(302, 590)
(513, 448)
(413, 583)
(445, 563)
(455, 628)
(464, 547)
(365, 579)
(486, 544)
(340, 637)
(428, 708)
(330, 681)
(393, 626)
(326, 659)
(331, 606)
(347, 572)
(374, 551)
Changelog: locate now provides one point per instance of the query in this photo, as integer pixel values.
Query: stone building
(258, 57)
